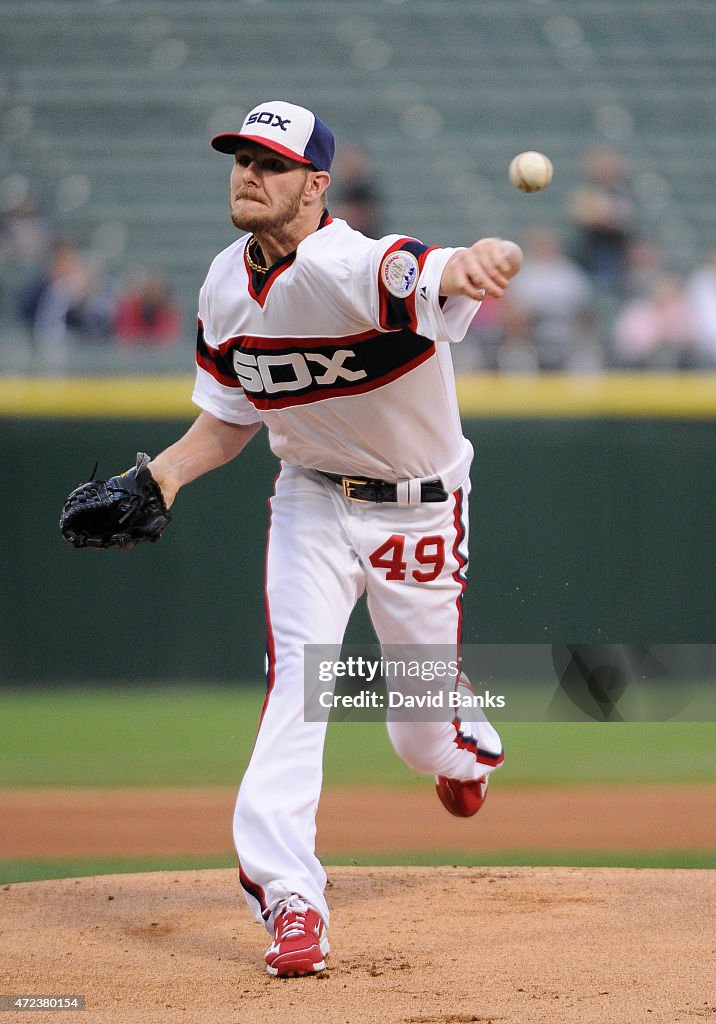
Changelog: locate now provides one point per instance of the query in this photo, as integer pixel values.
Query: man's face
(266, 188)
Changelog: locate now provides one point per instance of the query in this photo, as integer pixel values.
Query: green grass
(191, 735)
(43, 869)
(13, 871)
(169, 735)
(535, 858)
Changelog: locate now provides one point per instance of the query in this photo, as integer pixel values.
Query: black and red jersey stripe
(276, 373)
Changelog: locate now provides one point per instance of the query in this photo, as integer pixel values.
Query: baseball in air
(531, 171)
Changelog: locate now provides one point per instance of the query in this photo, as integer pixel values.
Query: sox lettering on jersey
(255, 373)
(278, 372)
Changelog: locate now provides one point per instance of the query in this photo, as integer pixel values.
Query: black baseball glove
(116, 513)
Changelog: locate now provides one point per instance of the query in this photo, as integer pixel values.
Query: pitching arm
(486, 267)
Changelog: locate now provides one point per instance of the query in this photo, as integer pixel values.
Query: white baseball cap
(286, 129)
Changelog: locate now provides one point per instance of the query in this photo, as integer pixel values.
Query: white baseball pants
(323, 551)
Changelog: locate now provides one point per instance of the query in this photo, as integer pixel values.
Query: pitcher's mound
(410, 946)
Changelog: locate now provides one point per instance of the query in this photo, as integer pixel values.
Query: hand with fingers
(485, 268)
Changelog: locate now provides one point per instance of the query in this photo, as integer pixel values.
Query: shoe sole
(452, 796)
(298, 965)
(297, 969)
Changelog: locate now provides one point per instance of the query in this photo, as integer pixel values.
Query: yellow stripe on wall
(98, 397)
(613, 395)
(618, 395)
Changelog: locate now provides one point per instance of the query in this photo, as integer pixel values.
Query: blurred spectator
(701, 296)
(146, 314)
(549, 323)
(25, 235)
(602, 213)
(658, 331)
(69, 302)
(25, 240)
(356, 197)
(644, 266)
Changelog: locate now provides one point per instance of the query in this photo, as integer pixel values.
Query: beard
(266, 221)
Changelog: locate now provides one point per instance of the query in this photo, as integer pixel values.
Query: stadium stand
(107, 108)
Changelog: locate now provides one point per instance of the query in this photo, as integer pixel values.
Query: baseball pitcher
(339, 345)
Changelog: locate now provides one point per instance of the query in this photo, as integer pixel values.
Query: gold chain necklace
(250, 260)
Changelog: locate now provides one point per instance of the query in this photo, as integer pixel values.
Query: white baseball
(531, 171)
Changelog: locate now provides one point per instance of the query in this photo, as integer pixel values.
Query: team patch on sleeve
(399, 273)
(398, 277)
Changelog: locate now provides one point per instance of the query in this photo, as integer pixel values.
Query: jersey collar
(259, 285)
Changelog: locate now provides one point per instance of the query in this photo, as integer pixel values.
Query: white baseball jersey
(340, 349)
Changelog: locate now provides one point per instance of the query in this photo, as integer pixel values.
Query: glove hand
(117, 513)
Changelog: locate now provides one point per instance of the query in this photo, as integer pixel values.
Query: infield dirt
(99, 822)
(66, 823)
(410, 946)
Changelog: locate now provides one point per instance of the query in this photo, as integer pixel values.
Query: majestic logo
(399, 273)
(269, 118)
(279, 373)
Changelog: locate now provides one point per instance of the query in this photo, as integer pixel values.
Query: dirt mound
(410, 946)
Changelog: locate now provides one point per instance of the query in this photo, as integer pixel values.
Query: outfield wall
(591, 526)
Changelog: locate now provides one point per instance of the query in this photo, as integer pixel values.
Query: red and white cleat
(300, 944)
(463, 799)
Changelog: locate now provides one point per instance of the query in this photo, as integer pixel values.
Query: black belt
(362, 489)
